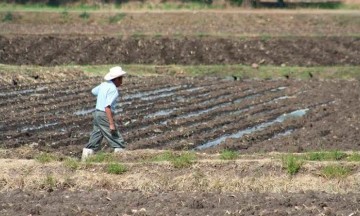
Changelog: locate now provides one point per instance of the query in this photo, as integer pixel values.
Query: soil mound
(303, 51)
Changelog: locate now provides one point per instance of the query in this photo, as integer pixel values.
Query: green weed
(166, 156)
(116, 18)
(8, 17)
(335, 171)
(183, 161)
(116, 168)
(323, 156)
(138, 35)
(354, 157)
(45, 158)
(229, 155)
(49, 183)
(101, 157)
(178, 161)
(84, 15)
(72, 163)
(292, 164)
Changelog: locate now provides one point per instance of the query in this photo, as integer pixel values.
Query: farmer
(104, 124)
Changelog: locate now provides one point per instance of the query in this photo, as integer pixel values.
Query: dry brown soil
(207, 37)
(76, 202)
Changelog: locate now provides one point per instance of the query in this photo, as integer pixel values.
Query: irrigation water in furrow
(218, 115)
(163, 113)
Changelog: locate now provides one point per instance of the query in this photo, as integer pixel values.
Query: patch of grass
(264, 72)
(184, 160)
(84, 15)
(335, 171)
(45, 158)
(65, 14)
(354, 157)
(178, 161)
(265, 37)
(158, 35)
(46, 7)
(323, 156)
(49, 182)
(116, 168)
(202, 34)
(292, 164)
(166, 156)
(116, 18)
(138, 35)
(8, 17)
(321, 5)
(101, 157)
(229, 155)
(72, 163)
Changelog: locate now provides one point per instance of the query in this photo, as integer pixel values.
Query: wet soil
(183, 113)
(124, 202)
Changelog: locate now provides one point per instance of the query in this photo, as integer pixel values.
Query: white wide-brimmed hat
(114, 72)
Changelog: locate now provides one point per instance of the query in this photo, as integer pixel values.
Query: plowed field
(187, 113)
(46, 113)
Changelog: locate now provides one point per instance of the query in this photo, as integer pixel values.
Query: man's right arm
(109, 115)
(95, 91)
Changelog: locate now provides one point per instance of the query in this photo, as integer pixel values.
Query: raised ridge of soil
(303, 51)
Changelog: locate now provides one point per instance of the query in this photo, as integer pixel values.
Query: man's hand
(111, 120)
(112, 128)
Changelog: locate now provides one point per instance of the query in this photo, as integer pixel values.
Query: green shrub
(335, 171)
(292, 164)
(229, 155)
(116, 168)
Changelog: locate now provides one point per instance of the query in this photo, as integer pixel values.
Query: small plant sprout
(72, 163)
(292, 164)
(229, 155)
(116, 168)
(45, 158)
(335, 171)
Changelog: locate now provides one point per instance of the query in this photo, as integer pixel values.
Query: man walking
(104, 124)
